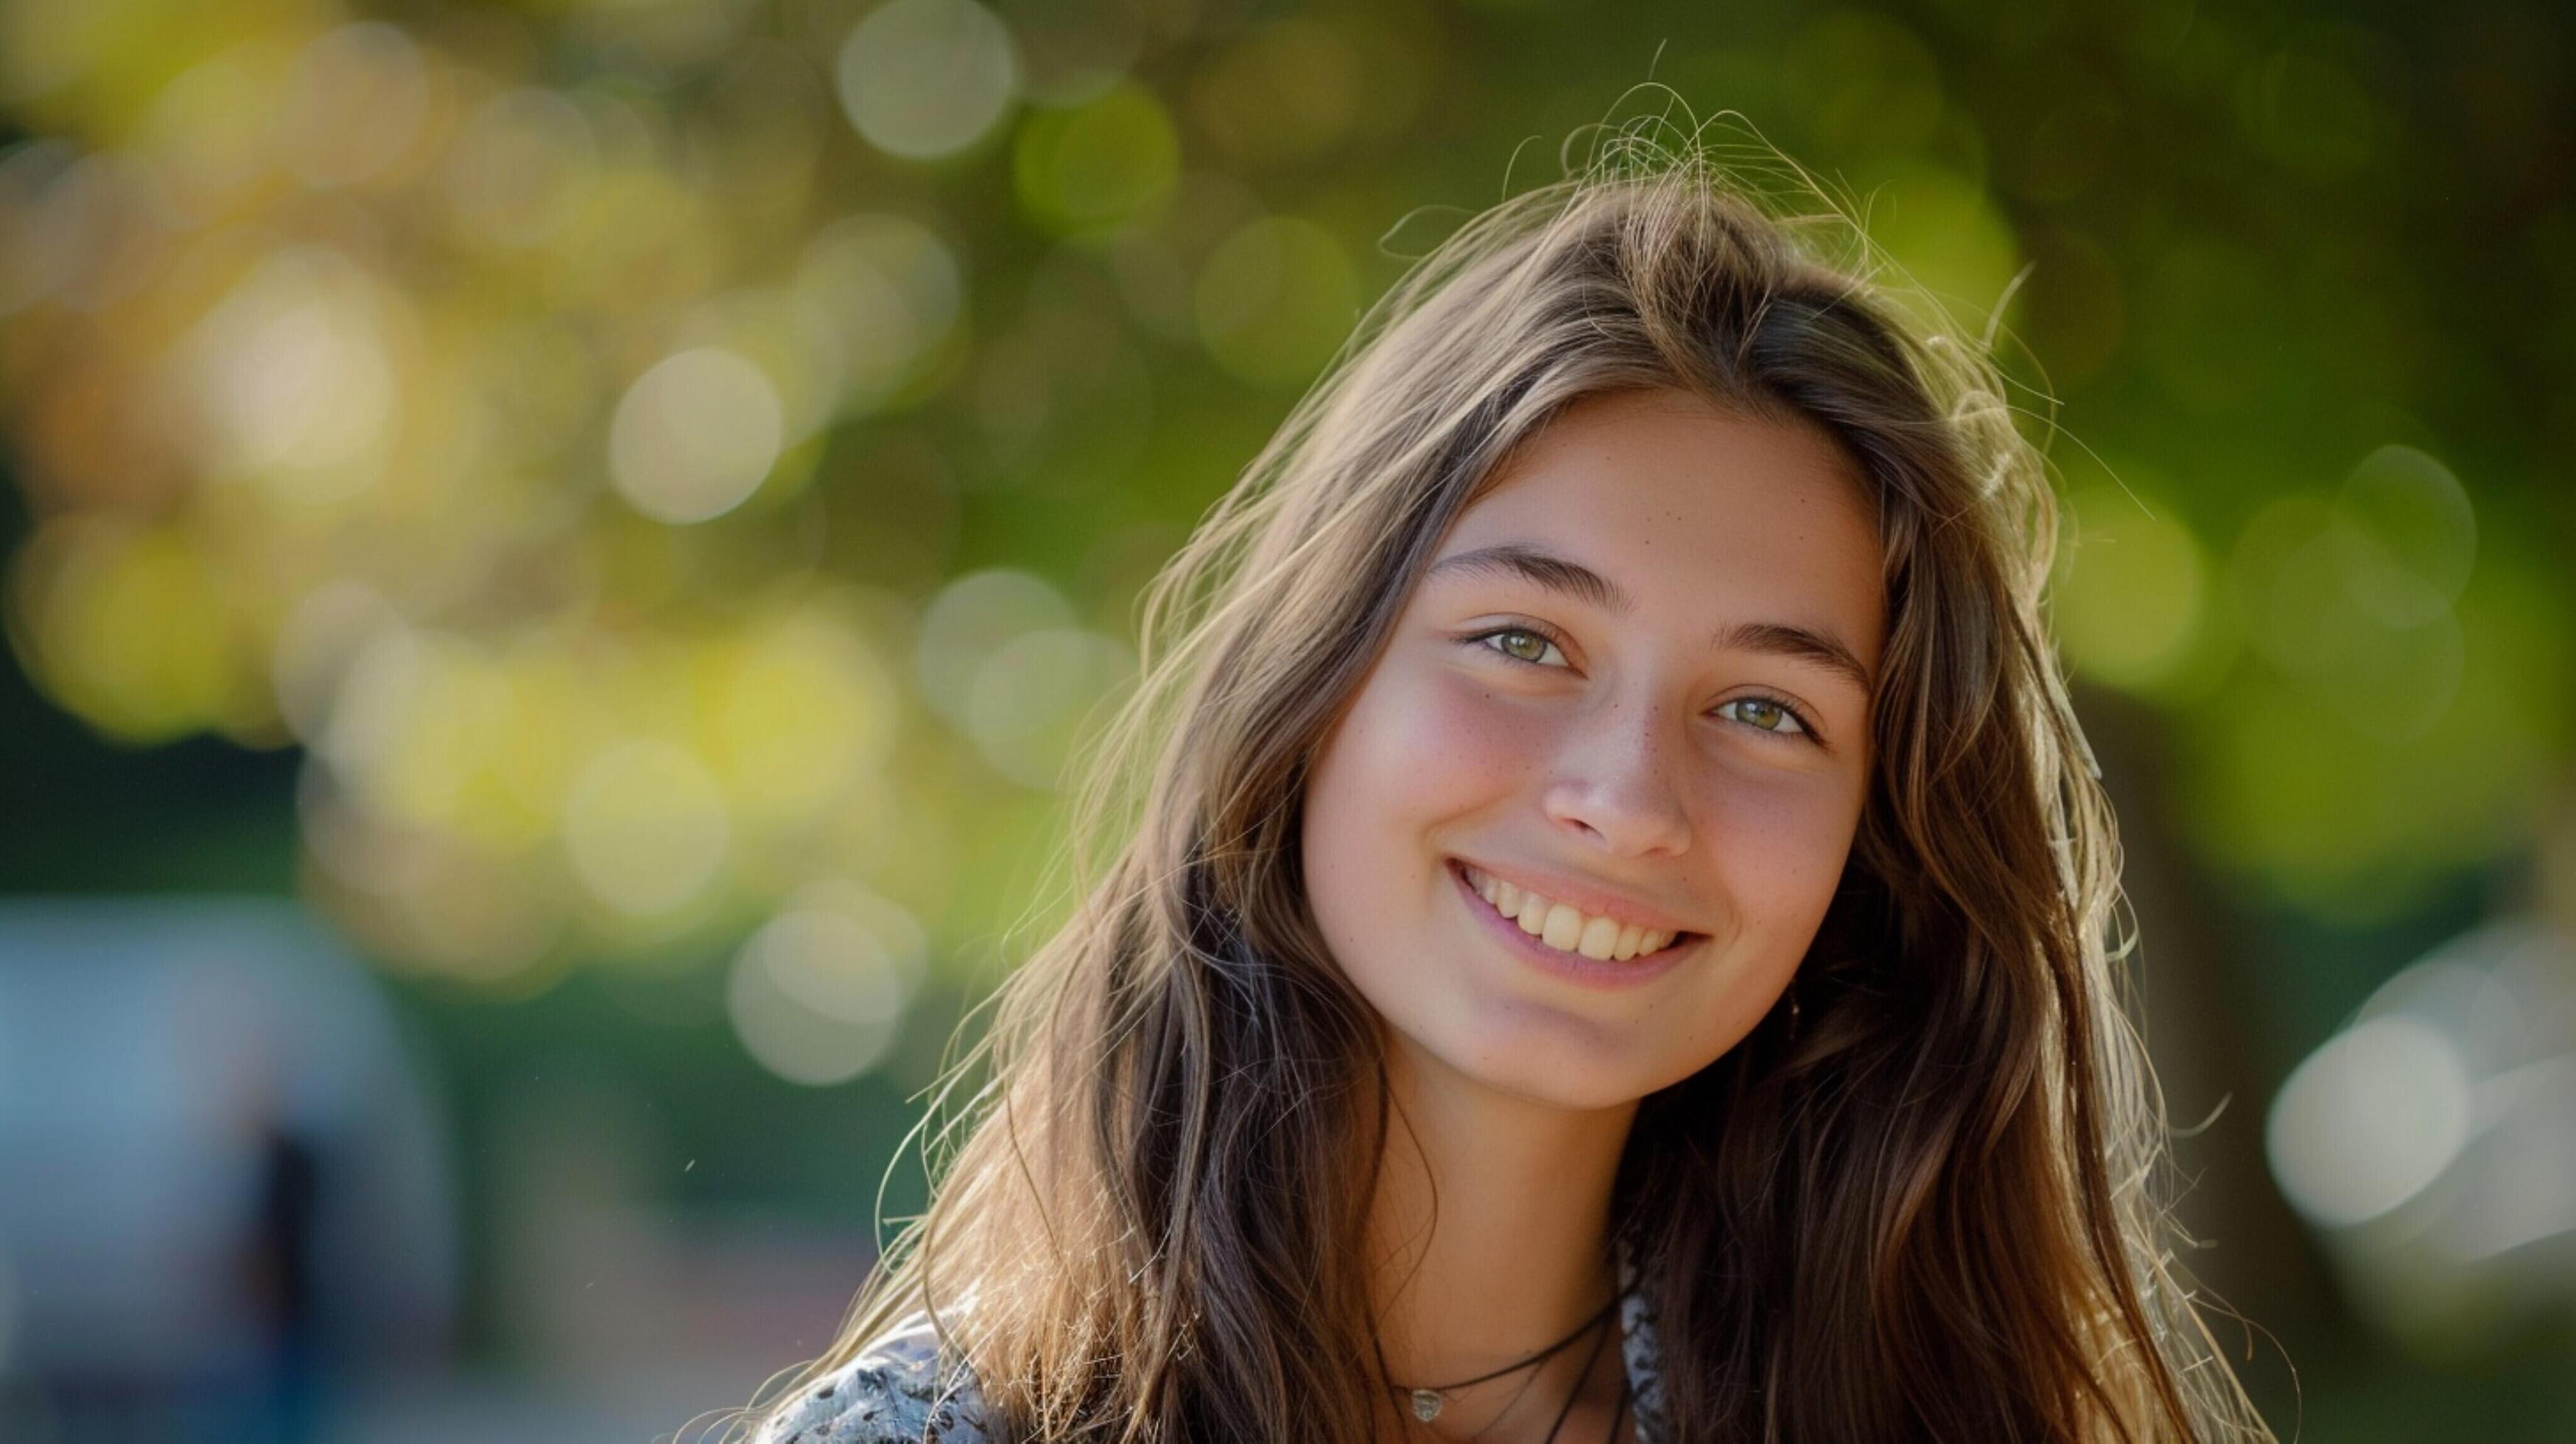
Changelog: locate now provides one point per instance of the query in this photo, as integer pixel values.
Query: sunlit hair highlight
(1930, 1212)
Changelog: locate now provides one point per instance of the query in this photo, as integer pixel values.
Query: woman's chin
(1550, 1073)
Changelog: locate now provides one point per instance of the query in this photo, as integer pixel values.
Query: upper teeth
(1560, 926)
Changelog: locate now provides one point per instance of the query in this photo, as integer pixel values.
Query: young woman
(1602, 930)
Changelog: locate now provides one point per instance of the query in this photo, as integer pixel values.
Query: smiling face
(1626, 683)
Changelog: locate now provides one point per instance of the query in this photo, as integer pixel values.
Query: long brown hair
(1927, 1212)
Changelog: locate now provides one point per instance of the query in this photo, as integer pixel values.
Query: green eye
(1533, 646)
(1765, 715)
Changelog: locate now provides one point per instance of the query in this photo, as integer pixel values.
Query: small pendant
(1426, 1404)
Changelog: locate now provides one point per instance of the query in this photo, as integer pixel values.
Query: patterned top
(894, 1392)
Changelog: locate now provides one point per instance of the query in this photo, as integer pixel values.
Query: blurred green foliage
(562, 418)
(667, 479)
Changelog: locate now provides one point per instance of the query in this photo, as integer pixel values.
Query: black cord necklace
(1429, 1400)
(1589, 1360)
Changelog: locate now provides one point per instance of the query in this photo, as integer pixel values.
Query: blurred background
(556, 549)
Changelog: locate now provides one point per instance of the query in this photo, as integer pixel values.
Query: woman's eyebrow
(1567, 577)
(1541, 567)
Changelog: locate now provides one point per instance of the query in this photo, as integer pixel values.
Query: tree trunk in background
(2193, 961)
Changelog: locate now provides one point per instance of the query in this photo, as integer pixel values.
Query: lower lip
(1608, 974)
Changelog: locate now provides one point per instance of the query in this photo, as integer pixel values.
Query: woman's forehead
(1678, 504)
(1681, 432)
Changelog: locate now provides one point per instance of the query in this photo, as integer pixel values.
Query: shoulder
(893, 1392)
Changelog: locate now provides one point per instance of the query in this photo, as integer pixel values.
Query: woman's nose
(1613, 780)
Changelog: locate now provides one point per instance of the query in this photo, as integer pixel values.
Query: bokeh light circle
(645, 827)
(1276, 300)
(970, 620)
(2406, 535)
(294, 380)
(923, 79)
(2130, 604)
(1033, 694)
(817, 993)
(1111, 162)
(2369, 1120)
(888, 290)
(695, 435)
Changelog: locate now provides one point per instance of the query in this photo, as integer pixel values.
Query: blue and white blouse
(895, 1392)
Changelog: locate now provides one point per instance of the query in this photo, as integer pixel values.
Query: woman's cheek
(1467, 739)
(1422, 746)
(1782, 855)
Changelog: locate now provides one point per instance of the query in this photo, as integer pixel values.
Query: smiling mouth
(1568, 929)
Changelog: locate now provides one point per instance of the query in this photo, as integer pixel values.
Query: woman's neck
(1518, 1256)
